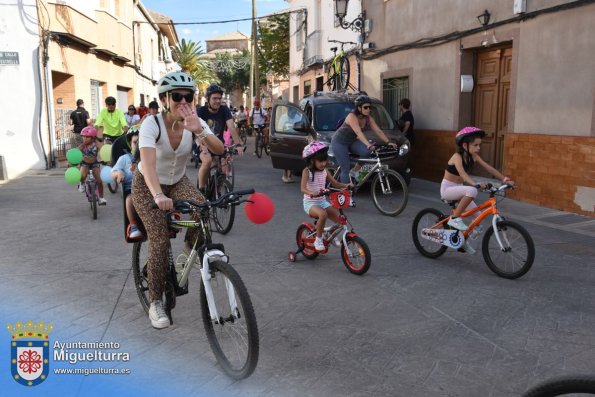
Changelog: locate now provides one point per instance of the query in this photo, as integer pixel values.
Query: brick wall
(550, 169)
(431, 153)
(63, 87)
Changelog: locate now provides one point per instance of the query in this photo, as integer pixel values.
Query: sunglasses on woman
(177, 97)
(365, 107)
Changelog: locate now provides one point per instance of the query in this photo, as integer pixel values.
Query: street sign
(9, 58)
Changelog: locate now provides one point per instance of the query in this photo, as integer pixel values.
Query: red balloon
(261, 210)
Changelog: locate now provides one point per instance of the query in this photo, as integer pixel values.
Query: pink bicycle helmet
(89, 131)
(312, 148)
(467, 133)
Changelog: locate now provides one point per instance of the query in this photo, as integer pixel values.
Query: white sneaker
(319, 244)
(468, 248)
(82, 188)
(157, 315)
(457, 223)
(102, 201)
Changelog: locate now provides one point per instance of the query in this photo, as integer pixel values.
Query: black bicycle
(261, 142)
(220, 182)
(227, 311)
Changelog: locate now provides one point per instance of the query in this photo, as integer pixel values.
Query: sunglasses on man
(177, 97)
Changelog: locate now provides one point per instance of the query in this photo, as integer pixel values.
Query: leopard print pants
(156, 226)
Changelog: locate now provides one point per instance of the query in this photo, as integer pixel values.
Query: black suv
(317, 117)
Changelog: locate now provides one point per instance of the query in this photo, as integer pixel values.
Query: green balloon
(72, 175)
(105, 153)
(74, 156)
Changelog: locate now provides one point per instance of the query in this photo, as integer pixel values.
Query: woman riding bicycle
(165, 146)
(350, 137)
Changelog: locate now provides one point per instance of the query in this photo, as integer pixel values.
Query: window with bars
(307, 87)
(393, 90)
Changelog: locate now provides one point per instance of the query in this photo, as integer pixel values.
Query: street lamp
(356, 25)
(484, 18)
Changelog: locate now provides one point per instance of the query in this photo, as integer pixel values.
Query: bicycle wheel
(139, 270)
(113, 186)
(343, 75)
(223, 217)
(258, 143)
(390, 192)
(303, 232)
(243, 136)
(518, 254)
(358, 262)
(266, 146)
(426, 219)
(561, 386)
(233, 336)
(93, 199)
(229, 171)
(330, 78)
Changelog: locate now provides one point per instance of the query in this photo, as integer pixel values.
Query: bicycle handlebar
(329, 190)
(230, 198)
(341, 42)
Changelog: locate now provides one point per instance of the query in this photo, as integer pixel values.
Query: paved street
(411, 326)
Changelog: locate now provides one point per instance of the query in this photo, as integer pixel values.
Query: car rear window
(327, 115)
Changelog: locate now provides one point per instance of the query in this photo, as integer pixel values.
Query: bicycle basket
(340, 199)
(388, 153)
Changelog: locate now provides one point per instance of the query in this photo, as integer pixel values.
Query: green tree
(273, 46)
(233, 70)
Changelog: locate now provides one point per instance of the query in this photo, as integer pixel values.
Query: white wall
(21, 100)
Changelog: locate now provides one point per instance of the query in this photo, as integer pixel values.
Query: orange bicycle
(507, 247)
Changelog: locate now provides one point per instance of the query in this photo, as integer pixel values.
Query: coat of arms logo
(29, 358)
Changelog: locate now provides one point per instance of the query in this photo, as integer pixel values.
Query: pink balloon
(261, 210)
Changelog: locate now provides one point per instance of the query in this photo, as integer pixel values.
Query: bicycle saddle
(334, 49)
(452, 203)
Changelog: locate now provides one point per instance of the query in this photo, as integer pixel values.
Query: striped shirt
(316, 185)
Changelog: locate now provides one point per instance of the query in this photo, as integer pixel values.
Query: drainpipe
(49, 103)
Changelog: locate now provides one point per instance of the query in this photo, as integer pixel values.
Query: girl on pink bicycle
(314, 179)
(90, 148)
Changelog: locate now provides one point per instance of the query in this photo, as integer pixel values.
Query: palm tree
(188, 55)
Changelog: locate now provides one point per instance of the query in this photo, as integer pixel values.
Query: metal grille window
(393, 90)
(95, 99)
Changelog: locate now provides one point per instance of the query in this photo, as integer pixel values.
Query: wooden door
(493, 71)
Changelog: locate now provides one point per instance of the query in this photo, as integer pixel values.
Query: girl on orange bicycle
(468, 141)
(314, 178)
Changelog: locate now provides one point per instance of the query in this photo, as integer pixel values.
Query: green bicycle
(338, 72)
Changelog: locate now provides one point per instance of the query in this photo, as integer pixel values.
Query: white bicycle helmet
(174, 80)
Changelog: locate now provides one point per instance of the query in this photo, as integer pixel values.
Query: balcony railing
(312, 53)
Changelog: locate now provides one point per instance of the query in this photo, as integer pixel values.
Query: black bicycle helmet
(362, 99)
(213, 88)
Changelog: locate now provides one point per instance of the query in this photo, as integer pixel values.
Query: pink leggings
(455, 191)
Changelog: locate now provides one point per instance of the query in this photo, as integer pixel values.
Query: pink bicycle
(354, 250)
